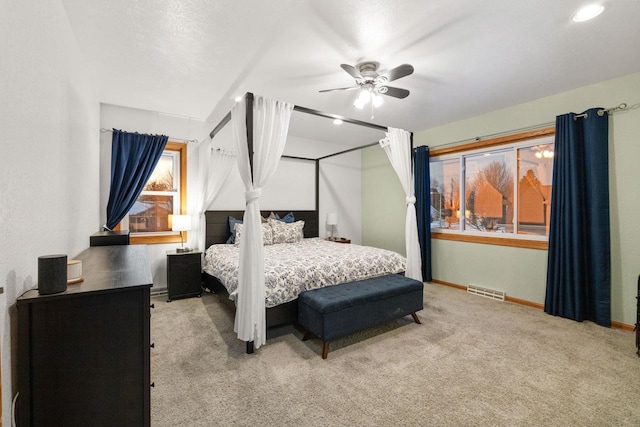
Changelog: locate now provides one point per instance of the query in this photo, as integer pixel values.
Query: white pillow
(286, 232)
(267, 234)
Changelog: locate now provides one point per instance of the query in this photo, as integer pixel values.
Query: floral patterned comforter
(291, 268)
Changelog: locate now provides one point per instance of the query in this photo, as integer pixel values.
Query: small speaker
(52, 274)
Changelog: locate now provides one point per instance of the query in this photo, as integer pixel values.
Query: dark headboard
(217, 229)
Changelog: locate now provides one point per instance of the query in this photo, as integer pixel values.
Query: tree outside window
(506, 189)
(164, 194)
(151, 211)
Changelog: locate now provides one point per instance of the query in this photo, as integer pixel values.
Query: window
(494, 191)
(163, 195)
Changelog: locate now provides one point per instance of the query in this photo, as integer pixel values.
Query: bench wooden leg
(415, 317)
(325, 349)
(306, 336)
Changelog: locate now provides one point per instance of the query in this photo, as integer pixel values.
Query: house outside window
(163, 195)
(496, 193)
(160, 197)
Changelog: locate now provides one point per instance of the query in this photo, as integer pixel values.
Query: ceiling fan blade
(396, 92)
(399, 72)
(353, 72)
(340, 88)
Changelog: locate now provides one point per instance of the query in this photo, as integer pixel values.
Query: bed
(260, 127)
(291, 268)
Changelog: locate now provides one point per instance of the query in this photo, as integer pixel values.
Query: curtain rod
(495, 135)
(186, 141)
(603, 111)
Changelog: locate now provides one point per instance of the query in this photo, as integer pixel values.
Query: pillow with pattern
(284, 232)
(265, 219)
(267, 234)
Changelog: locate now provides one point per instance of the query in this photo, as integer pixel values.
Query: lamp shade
(332, 219)
(180, 222)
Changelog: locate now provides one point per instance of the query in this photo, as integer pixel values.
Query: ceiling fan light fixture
(365, 95)
(588, 12)
(373, 84)
(377, 100)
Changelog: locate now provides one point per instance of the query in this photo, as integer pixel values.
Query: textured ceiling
(192, 58)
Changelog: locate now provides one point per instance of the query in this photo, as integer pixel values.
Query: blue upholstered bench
(335, 311)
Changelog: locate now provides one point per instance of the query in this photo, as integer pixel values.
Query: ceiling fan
(372, 84)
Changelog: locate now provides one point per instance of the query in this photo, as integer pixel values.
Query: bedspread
(291, 268)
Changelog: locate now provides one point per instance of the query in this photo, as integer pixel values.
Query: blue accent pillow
(288, 218)
(232, 227)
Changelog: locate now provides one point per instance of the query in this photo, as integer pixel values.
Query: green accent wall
(383, 202)
(521, 273)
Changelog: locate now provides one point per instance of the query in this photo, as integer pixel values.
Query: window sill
(156, 239)
(500, 241)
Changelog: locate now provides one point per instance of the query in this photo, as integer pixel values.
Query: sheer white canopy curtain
(398, 148)
(270, 127)
(214, 167)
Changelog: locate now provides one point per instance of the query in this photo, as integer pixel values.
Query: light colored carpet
(472, 362)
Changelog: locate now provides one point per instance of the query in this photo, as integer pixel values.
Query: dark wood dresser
(84, 354)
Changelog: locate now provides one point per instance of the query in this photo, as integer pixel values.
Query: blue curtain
(134, 156)
(423, 207)
(579, 257)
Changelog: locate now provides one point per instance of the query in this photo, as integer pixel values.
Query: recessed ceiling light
(588, 12)
(237, 98)
(337, 122)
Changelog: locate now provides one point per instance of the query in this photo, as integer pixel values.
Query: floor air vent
(487, 293)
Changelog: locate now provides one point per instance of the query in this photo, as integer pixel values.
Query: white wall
(292, 187)
(522, 272)
(340, 185)
(340, 189)
(49, 116)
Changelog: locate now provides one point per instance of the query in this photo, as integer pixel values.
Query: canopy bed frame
(217, 226)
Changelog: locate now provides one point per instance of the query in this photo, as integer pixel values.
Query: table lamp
(332, 220)
(181, 223)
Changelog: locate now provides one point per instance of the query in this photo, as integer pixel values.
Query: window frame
(515, 141)
(167, 236)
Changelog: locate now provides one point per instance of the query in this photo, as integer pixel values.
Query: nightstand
(339, 240)
(184, 275)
